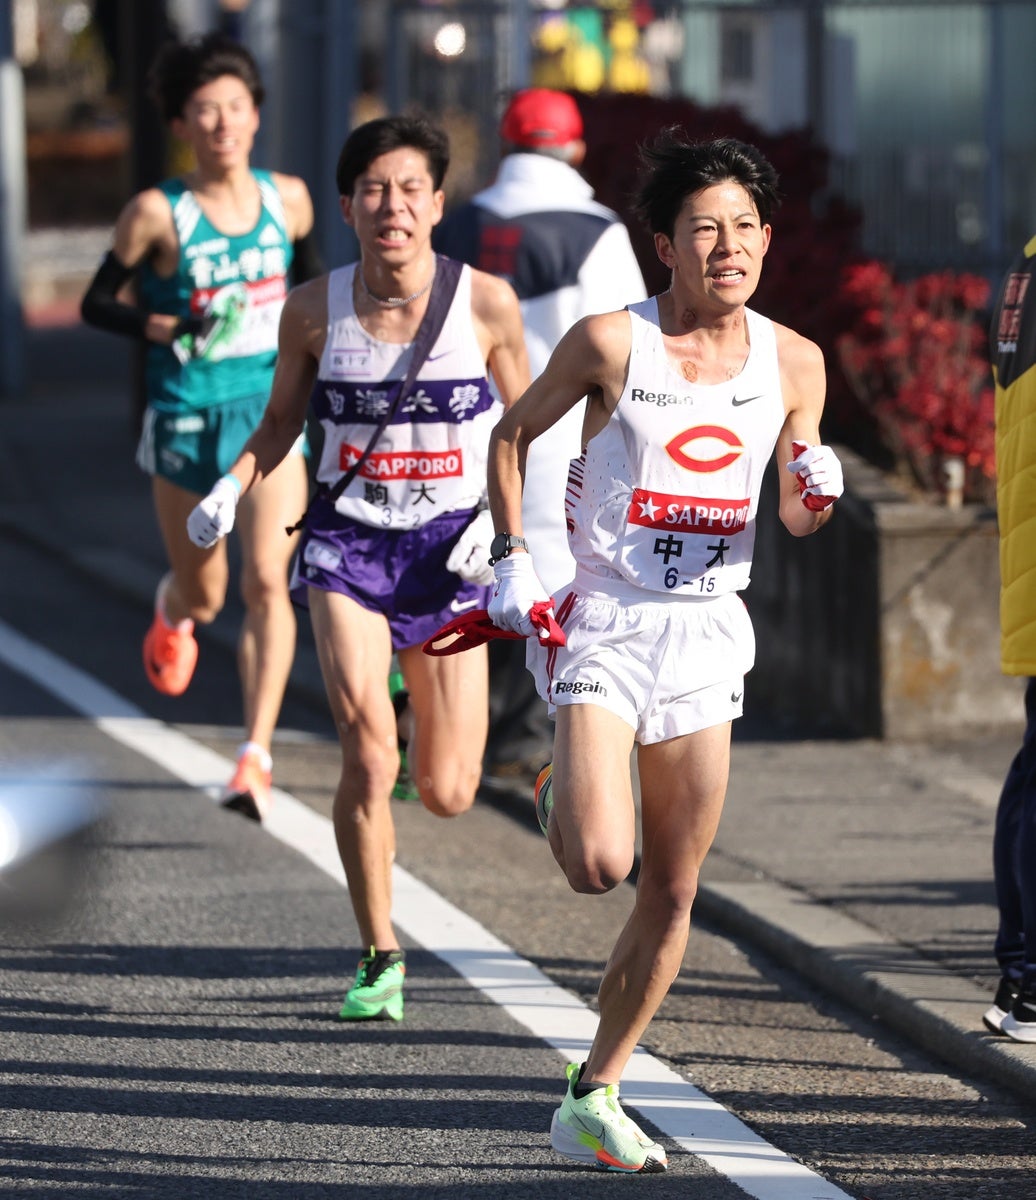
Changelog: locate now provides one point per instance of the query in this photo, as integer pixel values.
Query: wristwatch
(502, 545)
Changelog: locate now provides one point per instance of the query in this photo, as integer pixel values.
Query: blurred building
(924, 106)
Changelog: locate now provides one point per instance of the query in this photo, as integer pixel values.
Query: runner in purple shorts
(391, 352)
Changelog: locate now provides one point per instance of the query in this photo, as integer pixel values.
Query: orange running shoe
(248, 793)
(170, 656)
(544, 796)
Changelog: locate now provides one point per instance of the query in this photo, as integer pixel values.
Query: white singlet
(431, 458)
(664, 498)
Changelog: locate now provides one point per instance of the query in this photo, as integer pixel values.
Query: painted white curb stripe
(678, 1109)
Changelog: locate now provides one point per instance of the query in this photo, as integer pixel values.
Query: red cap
(539, 117)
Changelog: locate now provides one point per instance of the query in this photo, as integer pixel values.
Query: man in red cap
(538, 117)
(566, 256)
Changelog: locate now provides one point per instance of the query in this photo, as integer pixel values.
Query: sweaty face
(718, 244)
(394, 205)
(219, 122)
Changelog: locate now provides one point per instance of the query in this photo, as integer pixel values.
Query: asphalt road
(172, 1032)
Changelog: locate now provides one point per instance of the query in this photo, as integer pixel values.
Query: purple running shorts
(399, 573)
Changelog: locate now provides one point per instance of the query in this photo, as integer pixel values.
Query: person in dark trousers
(1013, 351)
(688, 396)
(566, 256)
(197, 273)
(396, 542)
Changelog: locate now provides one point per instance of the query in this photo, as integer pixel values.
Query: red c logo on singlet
(675, 448)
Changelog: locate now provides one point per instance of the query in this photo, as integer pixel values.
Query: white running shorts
(665, 667)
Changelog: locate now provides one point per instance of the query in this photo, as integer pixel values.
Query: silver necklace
(392, 301)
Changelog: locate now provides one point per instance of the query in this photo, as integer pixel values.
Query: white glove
(470, 557)
(213, 517)
(517, 590)
(819, 474)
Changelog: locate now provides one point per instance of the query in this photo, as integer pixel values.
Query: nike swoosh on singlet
(457, 606)
(747, 400)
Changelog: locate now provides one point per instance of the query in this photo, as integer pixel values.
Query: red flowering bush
(908, 377)
(916, 359)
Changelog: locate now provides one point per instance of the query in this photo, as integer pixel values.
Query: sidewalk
(864, 865)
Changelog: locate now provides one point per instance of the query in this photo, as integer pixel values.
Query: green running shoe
(377, 994)
(404, 787)
(544, 796)
(595, 1130)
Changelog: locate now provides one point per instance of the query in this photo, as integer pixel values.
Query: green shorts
(193, 449)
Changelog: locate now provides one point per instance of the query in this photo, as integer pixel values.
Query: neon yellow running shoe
(594, 1130)
(377, 994)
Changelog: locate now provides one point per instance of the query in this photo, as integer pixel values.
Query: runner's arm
(589, 360)
(803, 384)
(298, 209)
(498, 321)
(307, 263)
(143, 225)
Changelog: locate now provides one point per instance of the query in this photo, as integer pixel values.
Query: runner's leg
(683, 785)
(355, 651)
(449, 699)
(593, 825)
(196, 587)
(267, 643)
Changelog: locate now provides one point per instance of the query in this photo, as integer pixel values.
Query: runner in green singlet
(199, 269)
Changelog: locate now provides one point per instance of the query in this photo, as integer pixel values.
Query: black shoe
(993, 1017)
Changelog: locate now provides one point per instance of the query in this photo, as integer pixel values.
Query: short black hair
(384, 134)
(673, 168)
(180, 68)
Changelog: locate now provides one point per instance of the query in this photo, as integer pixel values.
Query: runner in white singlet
(688, 395)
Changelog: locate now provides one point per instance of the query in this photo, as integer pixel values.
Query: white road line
(677, 1109)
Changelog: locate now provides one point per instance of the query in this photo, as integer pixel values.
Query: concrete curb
(874, 974)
